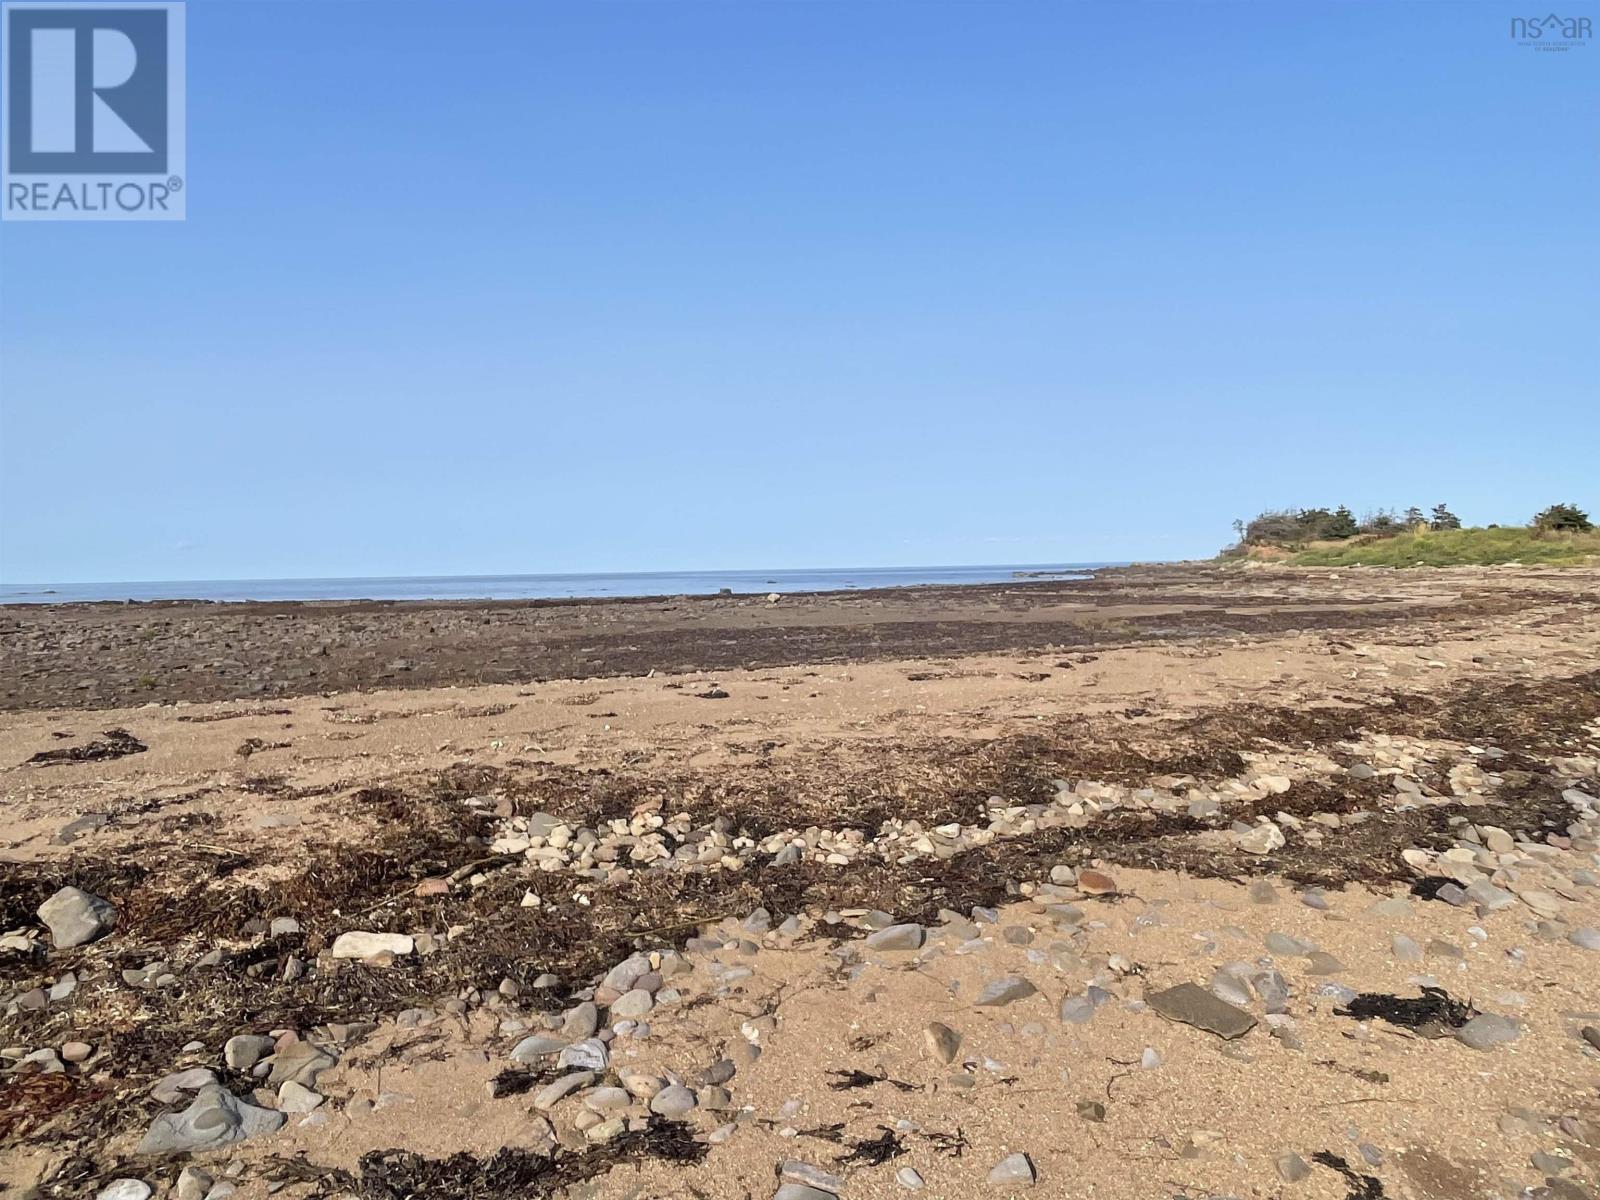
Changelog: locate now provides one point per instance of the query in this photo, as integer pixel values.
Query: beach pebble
(1006, 990)
(125, 1189)
(908, 1178)
(532, 1048)
(245, 1050)
(633, 1004)
(896, 937)
(1262, 839)
(1488, 1030)
(793, 1171)
(941, 1042)
(1283, 943)
(169, 1089)
(1077, 1010)
(581, 1021)
(74, 918)
(1405, 948)
(605, 1131)
(1585, 936)
(297, 1098)
(607, 1099)
(193, 1183)
(558, 1090)
(1013, 1169)
(674, 1103)
(587, 1055)
(1095, 883)
(1550, 1164)
(301, 1062)
(1291, 1167)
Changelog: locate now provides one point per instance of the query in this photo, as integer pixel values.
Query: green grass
(1454, 548)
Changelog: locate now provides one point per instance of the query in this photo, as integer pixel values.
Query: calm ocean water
(535, 587)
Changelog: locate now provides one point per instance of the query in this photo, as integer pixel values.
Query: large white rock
(1263, 839)
(358, 944)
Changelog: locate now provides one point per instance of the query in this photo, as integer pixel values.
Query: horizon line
(560, 574)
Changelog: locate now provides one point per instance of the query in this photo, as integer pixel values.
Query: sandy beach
(1108, 888)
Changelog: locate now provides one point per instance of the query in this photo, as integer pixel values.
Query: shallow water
(536, 587)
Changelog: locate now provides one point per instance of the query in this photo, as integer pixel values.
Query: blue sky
(521, 287)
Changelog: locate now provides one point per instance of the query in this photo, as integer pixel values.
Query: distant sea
(538, 587)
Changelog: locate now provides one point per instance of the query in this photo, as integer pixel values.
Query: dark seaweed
(1432, 1014)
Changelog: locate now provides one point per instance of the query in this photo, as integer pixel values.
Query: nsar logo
(93, 127)
(1551, 32)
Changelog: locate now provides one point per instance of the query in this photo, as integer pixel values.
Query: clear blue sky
(522, 287)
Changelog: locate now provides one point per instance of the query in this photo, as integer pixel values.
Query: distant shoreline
(112, 655)
(617, 586)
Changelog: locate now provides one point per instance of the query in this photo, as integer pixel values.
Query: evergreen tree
(1443, 518)
(1567, 517)
(1343, 524)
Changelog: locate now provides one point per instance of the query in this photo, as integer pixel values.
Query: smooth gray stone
(794, 1171)
(1005, 990)
(1405, 948)
(1262, 892)
(673, 1102)
(74, 917)
(245, 1050)
(581, 1021)
(301, 1062)
(1077, 1010)
(529, 1049)
(1014, 1169)
(1291, 1167)
(896, 937)
(941, 1042)
(632, 1004)
(216, 1118)
(553, 1093)
(1488, 1030)
(1282, 943)
(1488, 897)
(626, 974)
(169, 1089)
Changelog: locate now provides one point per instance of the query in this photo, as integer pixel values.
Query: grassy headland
(1454, 548)
(1561, 535)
